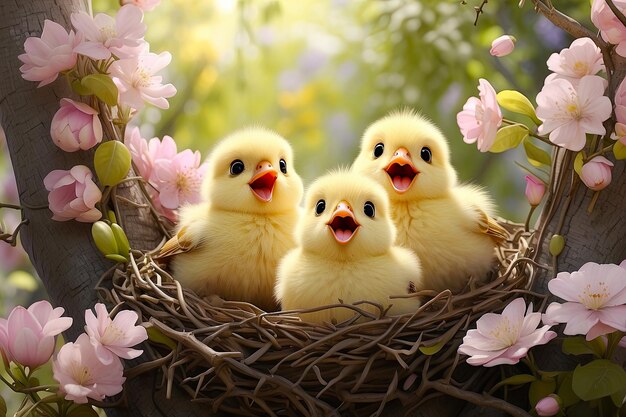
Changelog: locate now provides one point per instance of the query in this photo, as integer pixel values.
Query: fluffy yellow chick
(448, 225)
(345, 252)
(231, 244)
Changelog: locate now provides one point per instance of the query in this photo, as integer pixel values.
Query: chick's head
(252, 171)
(408, 155)
(346, 216)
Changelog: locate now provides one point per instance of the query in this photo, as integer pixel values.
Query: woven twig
(243, 361)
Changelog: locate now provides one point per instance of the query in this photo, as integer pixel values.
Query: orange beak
(343, 224)
(401, 171)
(262, 181)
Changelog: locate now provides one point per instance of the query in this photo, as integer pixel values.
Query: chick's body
(449, 226)
(345, 253)
(231, 245)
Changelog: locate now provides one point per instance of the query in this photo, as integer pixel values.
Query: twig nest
(243, 361)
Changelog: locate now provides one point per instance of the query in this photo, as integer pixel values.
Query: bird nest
(244, 361)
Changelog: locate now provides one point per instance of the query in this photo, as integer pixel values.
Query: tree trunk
(63, 254)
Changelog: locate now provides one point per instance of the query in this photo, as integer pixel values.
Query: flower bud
(535, 189)
(557, 243)
(548, 406)
(75, 126)
(596, 174)
(502, 46)
(104, 238)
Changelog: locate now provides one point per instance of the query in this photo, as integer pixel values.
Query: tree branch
(566, 23)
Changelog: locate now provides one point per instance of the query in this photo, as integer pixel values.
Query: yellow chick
(231, 244)
(449, 226)
(345, 252)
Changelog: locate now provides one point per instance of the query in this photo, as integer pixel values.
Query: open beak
(263, 180)
(343, 224)
(401, 171)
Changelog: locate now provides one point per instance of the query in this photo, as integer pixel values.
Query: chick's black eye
(320, 207)
(378, 150)
(426, 154)
(283, 166)
(236, 167)
(369, 209)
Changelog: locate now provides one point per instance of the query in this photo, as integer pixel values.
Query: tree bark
(62, 253)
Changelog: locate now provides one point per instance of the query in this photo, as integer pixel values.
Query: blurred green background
(320, 71)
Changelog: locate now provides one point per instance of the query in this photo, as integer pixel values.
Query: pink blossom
(582, 58)
(480, 118)
(595, 296)
(75, 126)
(620, 102)
(547, 406)
(611, 29)
(144, 153)
(620, 133)
(569, 113)
(105, 35)
(114, 337)
(73, 195)
(145, 5)
(45, 57)
(170, 214)
(505, 338)
(81, 373)
(502, 46)
(28, 335)
(535, 189)
(179, 180)
(596, 174)
(137, 83)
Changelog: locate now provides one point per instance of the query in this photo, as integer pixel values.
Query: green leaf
(102, 86)
(3, 407)
(83, 410)
(518, 103)
(578, 162)
(539, 389)
(104, 238)
(597, 379)
(117, 258)
(23, 280)
(123, 246)
(155, 335)
(112, 162)
(566, 392)
(535, 155)
(509, 137)
(619, 150)
(618, 397)
(78, 87)
(431, 350)
(515, 380)
(577, 345)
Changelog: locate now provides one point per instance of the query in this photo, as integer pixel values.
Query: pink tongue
(401, 183)
(265, 193)
(343, 235)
